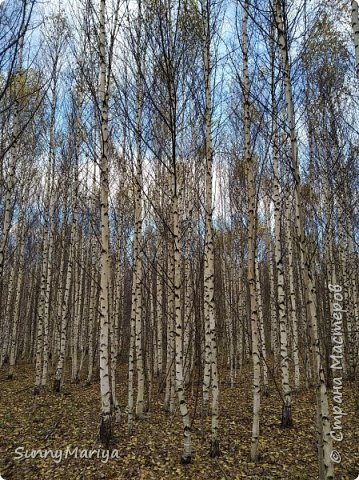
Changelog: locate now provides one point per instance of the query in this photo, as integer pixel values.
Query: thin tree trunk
(293, 303)
(251, 201)
(64, 313)
(211, 368)
(106, 424)
(324, 438)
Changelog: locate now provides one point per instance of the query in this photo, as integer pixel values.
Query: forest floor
(71, 419)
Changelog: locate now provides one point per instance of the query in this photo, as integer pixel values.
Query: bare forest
(179, 262)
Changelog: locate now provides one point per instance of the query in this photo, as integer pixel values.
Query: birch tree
(106, 423)
(249, 161)
(323, 422)
(211, 367)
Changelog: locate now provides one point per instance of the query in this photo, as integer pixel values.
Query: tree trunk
(105, 426)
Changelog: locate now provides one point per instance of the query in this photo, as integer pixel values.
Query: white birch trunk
(262, 333)
(326, 469)
(105, 427)
(293, 302)
(64, 314)
(19, 286)
(251, 202)
(211, 368)
(178, 333)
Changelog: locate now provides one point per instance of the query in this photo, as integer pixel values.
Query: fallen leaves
(69, 419)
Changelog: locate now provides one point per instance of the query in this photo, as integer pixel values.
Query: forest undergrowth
(68, 420)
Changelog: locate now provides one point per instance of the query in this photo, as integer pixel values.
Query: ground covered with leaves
(71, 419)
